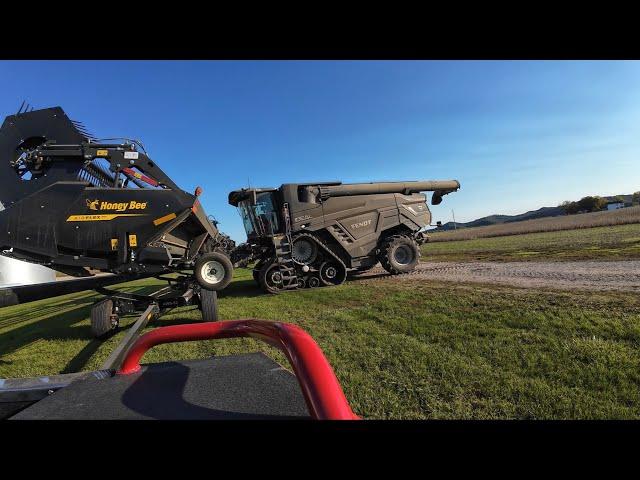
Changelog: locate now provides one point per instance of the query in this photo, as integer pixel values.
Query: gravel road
(583, 275)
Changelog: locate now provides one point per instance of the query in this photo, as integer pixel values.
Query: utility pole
(454, 219)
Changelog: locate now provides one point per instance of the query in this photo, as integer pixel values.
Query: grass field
(402, 350)
(618, 242)
(623, 216)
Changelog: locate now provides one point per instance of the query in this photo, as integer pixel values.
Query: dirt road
(585, 275)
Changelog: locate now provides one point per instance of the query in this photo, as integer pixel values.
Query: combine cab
(313, 234)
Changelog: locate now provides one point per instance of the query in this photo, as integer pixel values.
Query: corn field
(551, 224)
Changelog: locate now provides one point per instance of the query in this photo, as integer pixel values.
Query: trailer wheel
(399, 254)
(103, 319)
(213, 271)
(209, 305)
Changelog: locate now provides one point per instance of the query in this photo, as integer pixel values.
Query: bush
(584, 205)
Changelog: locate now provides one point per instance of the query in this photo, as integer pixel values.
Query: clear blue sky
(518, 135)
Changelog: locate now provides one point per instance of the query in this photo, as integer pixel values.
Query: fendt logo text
(118, 207)
(361, 224)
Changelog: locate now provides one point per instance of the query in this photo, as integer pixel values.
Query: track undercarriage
(308, 263)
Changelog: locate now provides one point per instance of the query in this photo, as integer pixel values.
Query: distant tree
(591, 204)
(635, 200)
(601, 203)
(585, 204)
(569, 207)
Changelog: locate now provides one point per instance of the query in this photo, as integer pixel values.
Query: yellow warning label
(114, 244)
(165, 219)
(98, 218)
(102, 153)
(133, 240)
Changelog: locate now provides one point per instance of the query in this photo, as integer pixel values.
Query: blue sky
(518, 135)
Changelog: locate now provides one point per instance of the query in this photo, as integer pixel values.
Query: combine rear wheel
(399, 254)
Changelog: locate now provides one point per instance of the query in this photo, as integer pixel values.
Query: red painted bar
(320, 387)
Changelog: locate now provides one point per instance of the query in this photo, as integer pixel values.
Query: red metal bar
(320, 387)
(140, 176)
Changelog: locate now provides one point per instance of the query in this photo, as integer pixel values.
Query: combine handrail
(320, 387)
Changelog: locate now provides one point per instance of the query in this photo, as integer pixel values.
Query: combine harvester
(313, 234)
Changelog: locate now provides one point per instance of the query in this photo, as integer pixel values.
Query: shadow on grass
(78, 362)
(57, 328)
(243, 289)
(359, 278)
(56, 321)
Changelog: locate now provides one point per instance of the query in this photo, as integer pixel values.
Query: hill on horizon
(530, 215)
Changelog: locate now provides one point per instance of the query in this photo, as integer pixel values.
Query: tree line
(592, 204)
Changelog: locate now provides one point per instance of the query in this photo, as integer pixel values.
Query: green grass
(402, 350)
(620, 242)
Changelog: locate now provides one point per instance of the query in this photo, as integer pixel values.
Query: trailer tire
(209, 305)
(207, 271)
(103, 320)
(399, 254)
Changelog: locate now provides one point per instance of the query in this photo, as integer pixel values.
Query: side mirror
(439, 224)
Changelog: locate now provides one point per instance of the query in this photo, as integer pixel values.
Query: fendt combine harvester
(314, 234)
(72, 202)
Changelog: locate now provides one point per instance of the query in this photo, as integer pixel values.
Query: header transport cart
(79, 205)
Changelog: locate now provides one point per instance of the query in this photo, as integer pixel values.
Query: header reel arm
(123, 160)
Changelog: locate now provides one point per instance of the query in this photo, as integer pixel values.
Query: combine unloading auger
(72, 203)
